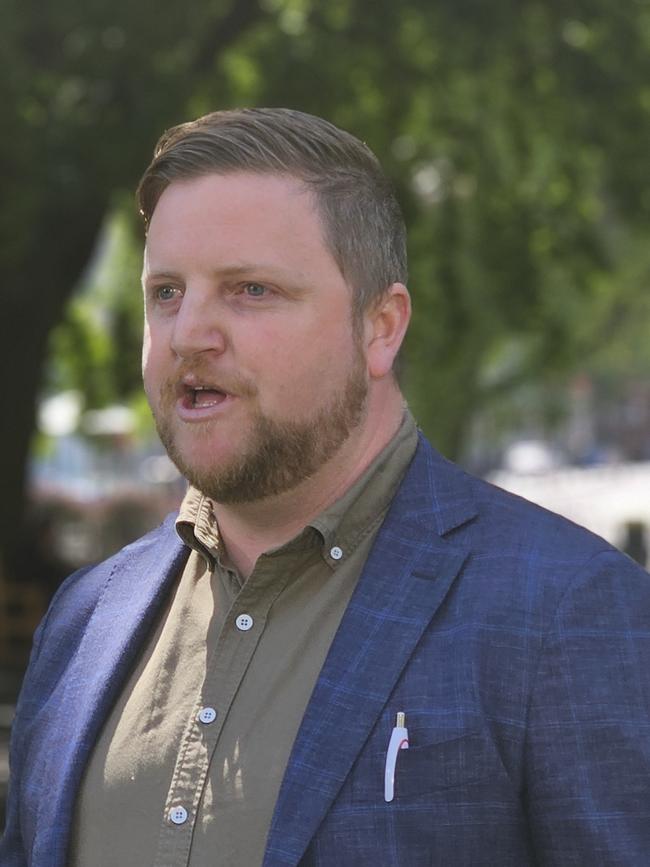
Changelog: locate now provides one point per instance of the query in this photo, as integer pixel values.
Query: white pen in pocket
(399, 740)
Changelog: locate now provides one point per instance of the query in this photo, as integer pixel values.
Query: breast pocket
(462, 760)
(452, 766)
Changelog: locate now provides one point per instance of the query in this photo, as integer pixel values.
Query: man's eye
(255, 290)
(164, 293)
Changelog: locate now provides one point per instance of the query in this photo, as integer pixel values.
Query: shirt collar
(345, 523)
(197, 526)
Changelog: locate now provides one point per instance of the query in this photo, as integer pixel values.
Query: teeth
(215, 395)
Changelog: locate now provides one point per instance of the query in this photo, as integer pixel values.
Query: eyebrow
(157, 275)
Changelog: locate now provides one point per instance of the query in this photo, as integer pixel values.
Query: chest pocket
(459, 761)
(463, 761)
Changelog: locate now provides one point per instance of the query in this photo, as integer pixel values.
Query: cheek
(148, 357)
(146, 349)
(284, 375)
(155, 363)
(155, 346)
(305, 373)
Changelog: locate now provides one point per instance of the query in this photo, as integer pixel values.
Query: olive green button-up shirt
(188, 766)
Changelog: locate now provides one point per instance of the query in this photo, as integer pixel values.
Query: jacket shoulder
(67, 617)
(488, 519)
(515, 525)
(76, 598)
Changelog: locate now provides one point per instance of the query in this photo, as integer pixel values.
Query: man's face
(251, 365)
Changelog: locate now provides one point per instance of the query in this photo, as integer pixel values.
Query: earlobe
(387, 324)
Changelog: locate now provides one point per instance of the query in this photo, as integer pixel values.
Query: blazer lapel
(133, 591)
(405, 579)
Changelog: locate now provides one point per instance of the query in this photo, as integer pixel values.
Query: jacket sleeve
(588, 735)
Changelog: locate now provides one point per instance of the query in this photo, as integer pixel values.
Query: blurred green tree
(516, 135)
(95, 349)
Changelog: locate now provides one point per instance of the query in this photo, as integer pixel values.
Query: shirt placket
(235, 647)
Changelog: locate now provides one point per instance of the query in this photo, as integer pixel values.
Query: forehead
(273, 204)
(224, 219)
(222, 196)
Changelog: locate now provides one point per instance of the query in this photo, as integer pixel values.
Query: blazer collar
(406, 577)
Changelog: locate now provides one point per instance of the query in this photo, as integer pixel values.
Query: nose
(198, 326)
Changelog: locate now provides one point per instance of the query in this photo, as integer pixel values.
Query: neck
(249, 529)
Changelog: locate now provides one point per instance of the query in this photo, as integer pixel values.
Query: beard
(278, 455)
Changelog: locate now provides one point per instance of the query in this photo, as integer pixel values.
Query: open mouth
(200, 396)
(203, 397)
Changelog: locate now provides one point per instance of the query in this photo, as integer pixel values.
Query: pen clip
(399, 740)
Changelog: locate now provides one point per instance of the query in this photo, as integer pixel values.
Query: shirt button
(207, 715)
(336, 553)
(178, 815)
(244, 622)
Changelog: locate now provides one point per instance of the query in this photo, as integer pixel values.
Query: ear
(386, 325)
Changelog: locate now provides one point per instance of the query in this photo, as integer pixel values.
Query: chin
(206, 462)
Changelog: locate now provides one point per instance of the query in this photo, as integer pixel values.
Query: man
(343, 651)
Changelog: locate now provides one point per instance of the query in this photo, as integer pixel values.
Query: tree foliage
(87, 90)
(95, 349)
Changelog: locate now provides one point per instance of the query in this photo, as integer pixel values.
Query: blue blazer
(517, 645)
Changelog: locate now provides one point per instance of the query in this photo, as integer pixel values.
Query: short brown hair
(362, 221)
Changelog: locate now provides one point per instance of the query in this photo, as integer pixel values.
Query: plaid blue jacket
(517, 645)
